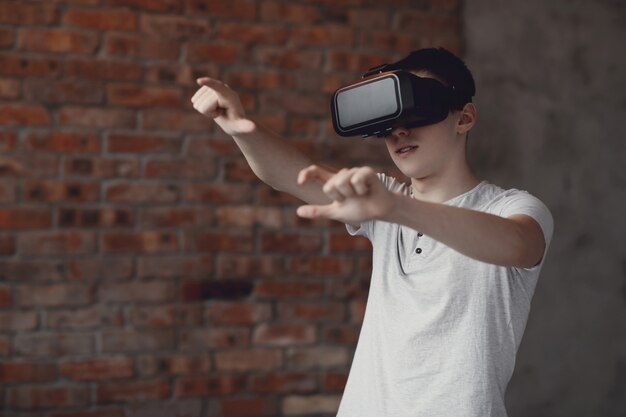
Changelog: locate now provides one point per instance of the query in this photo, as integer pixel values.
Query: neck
(444, 186)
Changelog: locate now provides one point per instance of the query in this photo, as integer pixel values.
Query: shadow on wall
(552, 101)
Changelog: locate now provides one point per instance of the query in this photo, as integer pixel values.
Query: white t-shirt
(441, 330)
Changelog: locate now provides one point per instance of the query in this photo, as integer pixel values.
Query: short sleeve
(522, 202)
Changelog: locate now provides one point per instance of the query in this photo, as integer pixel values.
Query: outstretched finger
(314, 172)
(315, 211)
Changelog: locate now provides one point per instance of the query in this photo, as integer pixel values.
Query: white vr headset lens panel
(376, 105)
(368, 102)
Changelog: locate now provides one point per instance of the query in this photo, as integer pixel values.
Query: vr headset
(385, 99)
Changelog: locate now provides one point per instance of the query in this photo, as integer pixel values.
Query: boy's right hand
(216, 100)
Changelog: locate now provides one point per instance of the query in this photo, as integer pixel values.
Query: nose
(399, 132)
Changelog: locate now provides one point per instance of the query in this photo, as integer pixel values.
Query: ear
(466, 119)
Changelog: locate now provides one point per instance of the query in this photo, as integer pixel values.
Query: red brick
(24, 218)
(388, 41)
(297, 103)
(25, 65)
(284, 12)
(58, 40)
(343, 242)
(210, 385)
(322, 265)
(153, 316)
(139, 242)
(5, 347)
(142, 193)
(367, 19)
(357, 310)
(53, 191)
(118, 268)
(260, 80)
(247, 33)
(133, 391)
(301, 288)
(239, 170)
(311, 311)
(174, 120)
(8, 141)
(162, 6)
(178, 27)
(104, 412)
(220, 53)
(7, 38)
(97, 217)
(21, 371)
(238, 312)
(60, 141)
(249, 360)
(84, 318)
(177, 74)
(97, 369)
(284, 382)
(349, 288)
(8, 191)
(214, 338)
(65, 91)
(340, 334)
(142, 143)
(248, 216)
(354, 62)
(137, 292)
(178, 364)
(64, 395)
(133, 46)
(53, 345)
(119, 20)
(101, 69)
(329, 35)
(176, 217)
(219, 241)
(335, 381)
(138, 340)
(56, 243)
(249, 407)
(241, 266)
(292, 58)
(277, 334)
(175, 267)
(102, 167)
(317, 357)
(105, 118)
(236, 9)
(5, 296)
(29, 165)
(24, 114)
(317, 404)
(10, 88)
(22, 13)
(53, 295)
(218, 193)
(290, 242)
(137, 95)
(18, 320)
(7, 245)
(187, 168)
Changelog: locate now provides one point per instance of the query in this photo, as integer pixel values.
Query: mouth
(406, 149)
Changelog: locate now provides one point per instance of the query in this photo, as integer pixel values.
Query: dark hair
(445, 66)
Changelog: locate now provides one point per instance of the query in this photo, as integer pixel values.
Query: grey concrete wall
(551, 79)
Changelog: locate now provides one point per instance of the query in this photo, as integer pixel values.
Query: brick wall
(144, 271)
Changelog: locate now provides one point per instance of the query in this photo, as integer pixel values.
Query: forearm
(482, 236)
(277, 163)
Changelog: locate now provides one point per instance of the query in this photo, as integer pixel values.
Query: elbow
(526, 250)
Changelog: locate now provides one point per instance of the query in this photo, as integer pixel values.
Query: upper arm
(532, 242)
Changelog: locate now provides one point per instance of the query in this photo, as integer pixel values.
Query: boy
(455, 259)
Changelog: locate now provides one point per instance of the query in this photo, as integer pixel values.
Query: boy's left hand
(357, 195)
